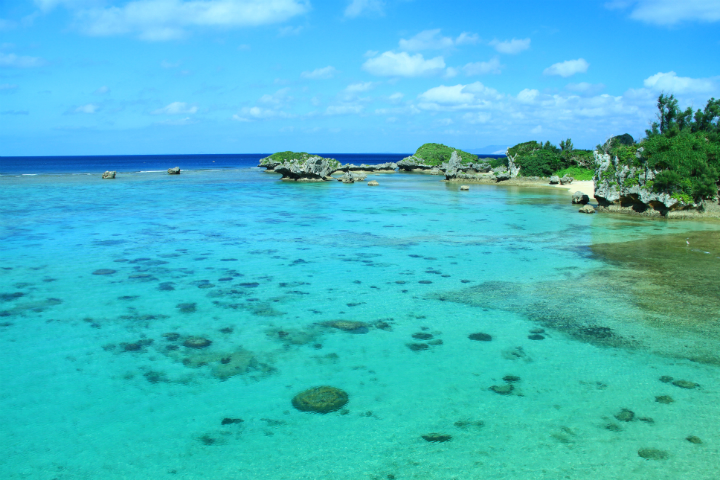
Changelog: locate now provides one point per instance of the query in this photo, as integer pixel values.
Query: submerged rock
(323, 399)
(104, 271)
(109, 175)
(503, 389)
(625, 415)
(348, 326)
(694, 439)
(197, 342)
(587, 209)
(480, 337)
(653, 454)
(666, 399)
(685, 384)
(437, 437)
(174, 171)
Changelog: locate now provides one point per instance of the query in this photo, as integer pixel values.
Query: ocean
(162, 326)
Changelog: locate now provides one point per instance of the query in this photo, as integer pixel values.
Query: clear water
(94, 387)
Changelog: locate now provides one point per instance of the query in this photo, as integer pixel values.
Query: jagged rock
(464, 188)
(380, 167)
(174, 171)
(351, 177)
(313, 169)
(580, 198)
(453, 166)
(505, 175)
(566, 180)
(320, 400)
(412, 162)
(109, 175)
(554, 180)
(373, 183)
(587, 209)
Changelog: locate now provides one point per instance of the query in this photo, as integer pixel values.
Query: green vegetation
(437, 153)
(543, 160)
(280, 157)
(578, 173)
(683, 146)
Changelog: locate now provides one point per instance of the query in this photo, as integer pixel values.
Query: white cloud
(169, 19)
(396, 97)
(175, 121)
(403, 65)
(511, 47)
(343, 109)
(362, 7)
(447, 95)
(467, 39)
(320, 73)
(669, 82)
(278, 98)
(477, 117)
(17, 61)
(89, 108)
(259, 113)
(483, 68)
(537, 130)
(359, 87)
(567, 68)
(528, 95)
(670, 12)
(426, 40)
(451, 72)
(175, 108)
(432, 40)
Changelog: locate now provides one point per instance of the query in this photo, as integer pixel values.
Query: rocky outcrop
(566, 180)
(587, 209)
(373, 183)
(174, 171)
(109, 175)
(351, 177)
(386, 167)
(408, 164)
(454, 169)
(621, 187)
(554, 180)
(580, 198)
(312, 169)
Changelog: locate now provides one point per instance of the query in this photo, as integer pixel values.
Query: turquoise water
(98, 384)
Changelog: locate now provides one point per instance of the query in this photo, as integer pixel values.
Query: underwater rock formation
(323, 399)
(436, 437)
(587, 209)
(197, 342)
(347, 326)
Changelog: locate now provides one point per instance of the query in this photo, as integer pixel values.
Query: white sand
(586, 186)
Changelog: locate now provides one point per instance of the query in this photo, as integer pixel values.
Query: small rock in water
(480, 337)
(416, 347)
(537, 330)
(373, 183)
(666, 399)
(625, 415)
(666, 379)
(197, 342)
(437, 341)
(436, 437)
(422, 336)
(511, 378)
(104, 271)
(320, 400)
(536, 336)
(464, 188)
(694, 439)
(348, 326)
(653, 454)
(587, 209)
(230, 421)
(186, 307)
(469, 423)
(425, 282)
(174, 171)
(685, 384)
(109, 175)
(502, 389)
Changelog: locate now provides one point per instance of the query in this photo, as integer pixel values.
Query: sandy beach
(586, 186)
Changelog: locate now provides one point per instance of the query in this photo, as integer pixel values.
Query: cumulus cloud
(158, 20)
(483, 68)
(567, 68)
(670, 12)
(511, 47)
(258, 113)
(89, 108)
(403, 65)
(445, 95)
(359, 87)
(175, 108)
(16, 61)
(364, 7)
(320, 73)
(669, 82)
(433, 40)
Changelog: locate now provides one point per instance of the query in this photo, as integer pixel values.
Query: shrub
(437, 153)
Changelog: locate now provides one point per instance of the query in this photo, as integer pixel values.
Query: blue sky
(80, 77)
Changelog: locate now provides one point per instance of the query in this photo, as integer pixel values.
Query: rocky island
(300, 166)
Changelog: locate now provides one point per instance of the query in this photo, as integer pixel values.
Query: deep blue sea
(159, 326)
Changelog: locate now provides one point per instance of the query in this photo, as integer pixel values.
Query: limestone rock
(323, 399)
(580, 198)
(380, 167)
(373, 183)
(174, 171)
(313, 169)
(587, 209)
(109, 175)
(464, 188)
(566, 180)
(554, 180)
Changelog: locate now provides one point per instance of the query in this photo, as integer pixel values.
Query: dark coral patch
(320, 400)
(104, 271)
(197, 342)
(480, 337)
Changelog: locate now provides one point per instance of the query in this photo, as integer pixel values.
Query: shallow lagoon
(93, 387)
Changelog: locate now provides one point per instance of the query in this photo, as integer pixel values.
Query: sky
(111, 77)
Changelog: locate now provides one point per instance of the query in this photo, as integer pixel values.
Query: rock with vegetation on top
(432, 155)
(580, 198)
(109, 175)
(587, 209)
(300, 166)
(323, 399)
(174, 171)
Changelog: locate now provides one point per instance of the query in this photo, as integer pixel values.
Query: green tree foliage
(543, 160)
(684, 148)
(437, 153)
